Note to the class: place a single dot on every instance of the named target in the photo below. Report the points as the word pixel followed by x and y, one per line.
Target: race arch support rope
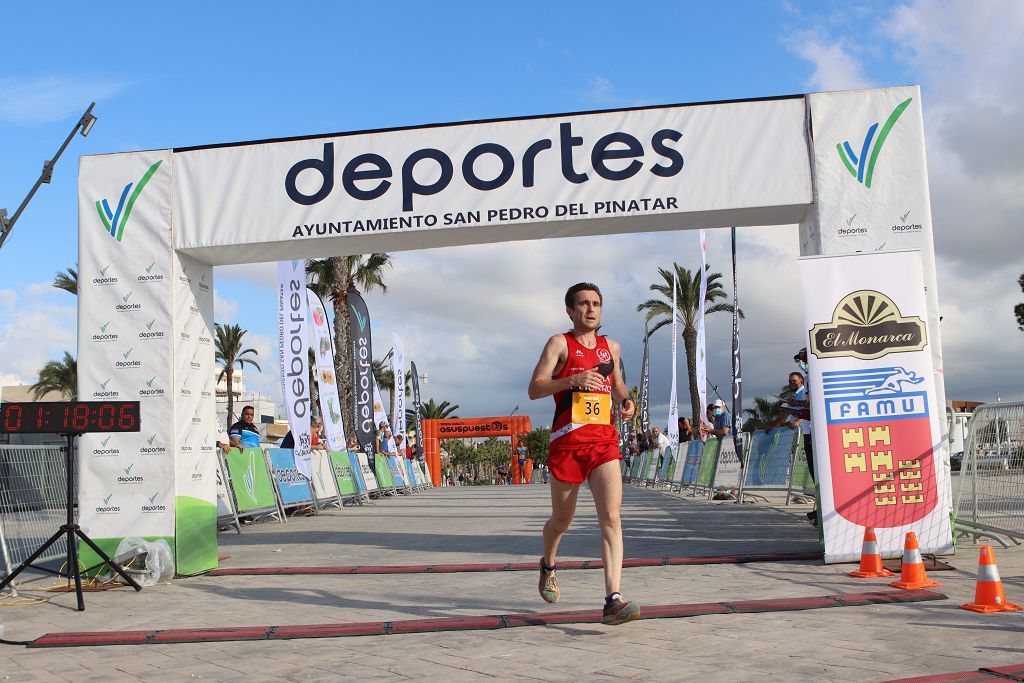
pixel 153 224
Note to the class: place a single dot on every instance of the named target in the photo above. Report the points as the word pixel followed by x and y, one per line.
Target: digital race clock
pixel 73 417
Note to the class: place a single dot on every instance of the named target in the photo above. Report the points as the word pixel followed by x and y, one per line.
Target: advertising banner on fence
pixel 292 307
pixel 250 480
pixel 327 383
pixel 877 438
pixel 293 485
pixel 769 456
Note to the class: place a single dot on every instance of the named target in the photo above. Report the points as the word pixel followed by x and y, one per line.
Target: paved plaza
pixel 498 524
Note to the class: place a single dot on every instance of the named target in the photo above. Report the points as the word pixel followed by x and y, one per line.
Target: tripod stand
pixel 71 530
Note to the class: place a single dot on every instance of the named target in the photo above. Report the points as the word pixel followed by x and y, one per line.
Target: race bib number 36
pixel 588 408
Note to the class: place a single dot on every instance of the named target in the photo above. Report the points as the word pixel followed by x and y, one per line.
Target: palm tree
pixel 432 411
pixel 687 308
pixel 229 354
pixel 68 281
pixel 334 278
pixel 59 376
pixel 762 414
pixel 634 422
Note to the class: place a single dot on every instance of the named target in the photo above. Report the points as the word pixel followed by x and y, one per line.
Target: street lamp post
pixel 83 126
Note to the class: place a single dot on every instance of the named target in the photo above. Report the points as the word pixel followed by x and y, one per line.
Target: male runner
pixel 581 370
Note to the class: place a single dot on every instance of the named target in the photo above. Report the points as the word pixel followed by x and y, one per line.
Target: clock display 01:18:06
pixel 69 417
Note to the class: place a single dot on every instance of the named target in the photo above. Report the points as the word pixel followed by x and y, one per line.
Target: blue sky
pixel 192 73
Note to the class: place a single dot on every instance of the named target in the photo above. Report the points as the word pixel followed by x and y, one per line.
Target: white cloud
pixel 834 67
pixel 51 98
pixel 225 311
pixel 36 326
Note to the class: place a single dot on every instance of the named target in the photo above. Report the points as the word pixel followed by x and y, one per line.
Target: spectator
pixel 685 430
pixel 315 428
pixel 659 442
pixel 797 412
pixel 245 434
pixel 721 424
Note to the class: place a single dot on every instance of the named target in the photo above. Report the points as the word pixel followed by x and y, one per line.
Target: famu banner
pixel 327 383
pixel 361 355
pixel 878 444
pixel 292 305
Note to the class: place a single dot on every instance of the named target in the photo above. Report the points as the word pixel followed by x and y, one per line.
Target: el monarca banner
pixel 878 449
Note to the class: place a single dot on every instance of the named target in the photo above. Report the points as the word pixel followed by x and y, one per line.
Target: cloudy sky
pixel 475 318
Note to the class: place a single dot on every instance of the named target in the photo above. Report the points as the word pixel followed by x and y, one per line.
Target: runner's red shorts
pixel 573 464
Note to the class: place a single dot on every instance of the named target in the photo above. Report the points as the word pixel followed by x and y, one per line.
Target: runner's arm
pixel 620 392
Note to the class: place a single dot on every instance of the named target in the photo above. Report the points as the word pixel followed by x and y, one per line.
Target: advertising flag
pixel 416 407
pixel 620 424
pixel 878 443
pixel 673 403
pixel 361 355
pixel 327 383
pixel 737 378
pixel 292 305
pixel 398 367
pixel 645 398
pixel 702 363
pixel 380 415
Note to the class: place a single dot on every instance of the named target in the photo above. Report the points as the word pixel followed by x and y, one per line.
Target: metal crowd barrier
pixel 32 502
pixel 990 487
pixel 769 460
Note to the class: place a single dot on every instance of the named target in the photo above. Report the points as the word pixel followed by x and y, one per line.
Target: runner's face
pixel 586 314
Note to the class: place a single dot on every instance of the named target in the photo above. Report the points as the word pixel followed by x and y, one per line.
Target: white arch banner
pixel 152 225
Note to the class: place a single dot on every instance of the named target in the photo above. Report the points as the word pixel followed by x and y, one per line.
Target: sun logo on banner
pixel 863 167
pixel 116 220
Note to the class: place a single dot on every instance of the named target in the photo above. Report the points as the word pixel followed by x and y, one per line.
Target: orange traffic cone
pixel 989 596
pixel 870 559
pixel 912 574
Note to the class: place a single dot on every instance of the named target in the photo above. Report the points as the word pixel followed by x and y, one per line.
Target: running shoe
pixel 548 584
pixel 620 611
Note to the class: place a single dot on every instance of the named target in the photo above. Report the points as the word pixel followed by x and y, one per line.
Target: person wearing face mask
pixel 721 420
pixel 797 415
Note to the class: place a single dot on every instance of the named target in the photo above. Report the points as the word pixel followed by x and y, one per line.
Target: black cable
pixel 14 642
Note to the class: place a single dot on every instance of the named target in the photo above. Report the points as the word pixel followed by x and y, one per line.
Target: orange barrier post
pixel 988 595
pixel 870 559
pixel 912 574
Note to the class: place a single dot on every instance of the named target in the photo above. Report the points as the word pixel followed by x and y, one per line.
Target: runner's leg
pixel 606 487
pixel 563 508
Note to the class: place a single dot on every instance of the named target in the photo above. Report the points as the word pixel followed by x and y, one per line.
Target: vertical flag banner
pixel 327 382
pixel 673 402
pixel 416 406
pixel 702 364
pixel 737 377
pixel 398 405
pixel 361 355
pixel 645 398
pixel 379 414
pixel 292 305
pixel 878 444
